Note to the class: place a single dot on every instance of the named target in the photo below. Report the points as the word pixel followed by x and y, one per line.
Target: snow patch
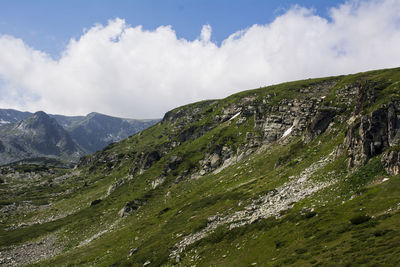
pixel 234 116
pixel 4 122
pixel 287 132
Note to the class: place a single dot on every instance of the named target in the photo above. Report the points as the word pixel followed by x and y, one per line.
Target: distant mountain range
pixel 28 136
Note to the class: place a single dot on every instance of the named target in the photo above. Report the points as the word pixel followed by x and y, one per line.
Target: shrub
pixel 378 233
pixel 359 219
pixel 95 202
pixel 279 243
pixel 310 214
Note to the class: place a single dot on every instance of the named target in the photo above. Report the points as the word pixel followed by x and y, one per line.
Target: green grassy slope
pixel 352 220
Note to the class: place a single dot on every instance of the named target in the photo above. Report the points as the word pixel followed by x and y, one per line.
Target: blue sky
pixel 75 57
pixel 48 25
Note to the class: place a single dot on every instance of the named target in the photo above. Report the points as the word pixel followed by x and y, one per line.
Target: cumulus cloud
pixel 127 71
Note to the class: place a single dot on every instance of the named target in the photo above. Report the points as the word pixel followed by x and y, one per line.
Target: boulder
pixel 131 207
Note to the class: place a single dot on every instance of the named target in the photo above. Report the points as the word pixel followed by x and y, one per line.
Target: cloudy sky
pixel 140 59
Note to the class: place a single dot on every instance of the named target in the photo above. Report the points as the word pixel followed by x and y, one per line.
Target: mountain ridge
pixel 86 134
pixel 37 136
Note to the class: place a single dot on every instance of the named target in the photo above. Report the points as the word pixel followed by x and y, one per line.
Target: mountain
pixel 305 173
pixel 11 116
pixel 96 130
pixel 82 134
pixel 37 136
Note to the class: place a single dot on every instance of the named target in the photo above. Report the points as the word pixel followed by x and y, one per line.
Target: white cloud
pixel 126 71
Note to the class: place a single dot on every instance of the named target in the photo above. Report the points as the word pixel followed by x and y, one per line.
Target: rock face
pixel 373 134
pixel 273 122
pixel 391 162
pixel 321 121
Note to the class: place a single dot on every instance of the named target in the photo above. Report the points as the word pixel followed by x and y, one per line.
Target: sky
pixel 139 59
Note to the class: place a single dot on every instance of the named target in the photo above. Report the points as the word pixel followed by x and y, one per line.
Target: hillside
pixel 304 173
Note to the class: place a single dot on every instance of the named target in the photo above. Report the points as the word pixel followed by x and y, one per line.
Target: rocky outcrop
pixel 373 134
pixel 131 207
pixel 117 184
pixel 321 121
pixel 183 116
pixel 391 162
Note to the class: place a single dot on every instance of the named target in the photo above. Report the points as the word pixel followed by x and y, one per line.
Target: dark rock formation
pixel 391 162
pixel 131 207
pixel 321 121
pixel 150 159
pixel 373 134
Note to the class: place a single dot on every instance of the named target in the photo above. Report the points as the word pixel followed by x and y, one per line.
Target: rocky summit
pixel 304 173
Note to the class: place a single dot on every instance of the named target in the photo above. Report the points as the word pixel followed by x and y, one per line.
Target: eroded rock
pixel 391 162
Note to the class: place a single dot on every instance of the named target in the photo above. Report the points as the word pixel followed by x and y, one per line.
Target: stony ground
pixel 271 204
pixel 30 252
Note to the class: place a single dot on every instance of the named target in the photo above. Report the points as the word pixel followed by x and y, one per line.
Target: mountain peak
pixel 42 116
pixel 94 114
pixel 40 113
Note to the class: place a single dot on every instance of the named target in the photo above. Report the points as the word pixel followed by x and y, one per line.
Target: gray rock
pixel 391 162
pixel 133 251
pixel 131 207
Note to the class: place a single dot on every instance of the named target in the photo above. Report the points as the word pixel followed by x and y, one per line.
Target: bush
pixel 301 250
pixel 95 202
pixel 378 233
pixel 310 214
pixel 359 219
pixel 279 243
